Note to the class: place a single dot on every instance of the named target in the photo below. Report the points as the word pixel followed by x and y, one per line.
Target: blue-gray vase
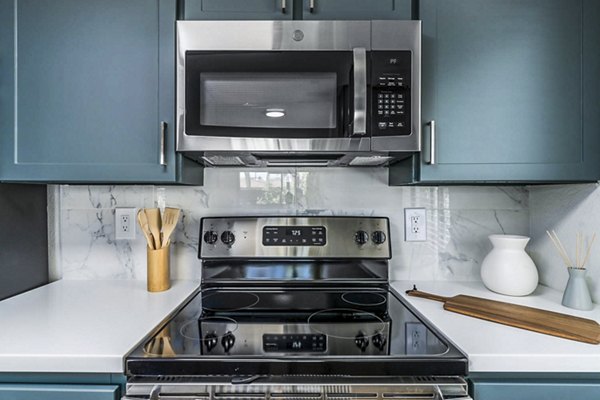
pixel 577 293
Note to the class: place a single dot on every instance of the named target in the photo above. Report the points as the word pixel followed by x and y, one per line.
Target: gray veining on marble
pixel 459 218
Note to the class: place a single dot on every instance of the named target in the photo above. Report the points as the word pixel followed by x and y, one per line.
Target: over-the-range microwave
pixel 298 93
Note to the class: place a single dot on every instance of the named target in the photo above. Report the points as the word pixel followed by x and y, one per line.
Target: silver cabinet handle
pixel 432 146
pixel 311 6
pixel 283 6
pixel 162 157
pixel 359 124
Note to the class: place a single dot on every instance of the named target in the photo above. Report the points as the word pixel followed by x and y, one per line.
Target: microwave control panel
pixel 390 93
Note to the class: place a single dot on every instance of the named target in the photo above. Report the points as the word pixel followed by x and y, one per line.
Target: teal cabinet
pixel 513 89
pixel 544 389
pixel 87 92
pixel 58 392
pixel 356 9
pixel 238 9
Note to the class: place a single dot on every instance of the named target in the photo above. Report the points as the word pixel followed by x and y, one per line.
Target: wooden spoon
pixel 143 221
pixel 169 222
pixel 154 223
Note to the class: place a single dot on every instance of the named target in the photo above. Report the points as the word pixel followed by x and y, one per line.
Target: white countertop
pixel 492 347
pixel 82 326
pixel 89 326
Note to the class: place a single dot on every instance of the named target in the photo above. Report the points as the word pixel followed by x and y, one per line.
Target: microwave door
pixel 274 101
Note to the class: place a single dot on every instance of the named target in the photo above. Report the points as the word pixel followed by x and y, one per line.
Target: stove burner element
pixel 229 301
pixel 334 322
pixel 364 298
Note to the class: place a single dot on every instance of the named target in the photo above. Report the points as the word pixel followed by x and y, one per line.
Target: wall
pixel 459 218
pixel 23 238
pixel 567 209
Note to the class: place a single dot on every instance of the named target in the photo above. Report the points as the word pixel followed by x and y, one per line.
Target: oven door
pixel 290 97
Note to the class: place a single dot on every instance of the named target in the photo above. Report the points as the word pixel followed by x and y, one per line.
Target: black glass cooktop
pixel 253 331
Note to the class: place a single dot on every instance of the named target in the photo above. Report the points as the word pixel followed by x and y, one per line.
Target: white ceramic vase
pixel 508 269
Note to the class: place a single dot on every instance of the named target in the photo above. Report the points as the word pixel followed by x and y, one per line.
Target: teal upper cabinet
pixel 87 91
pixel 238 9
pixel 513 89
pixel 356 9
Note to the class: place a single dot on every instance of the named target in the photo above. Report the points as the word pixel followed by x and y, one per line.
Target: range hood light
pixel 275 112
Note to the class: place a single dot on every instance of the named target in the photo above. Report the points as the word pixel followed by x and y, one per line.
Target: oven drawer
pixel 400 388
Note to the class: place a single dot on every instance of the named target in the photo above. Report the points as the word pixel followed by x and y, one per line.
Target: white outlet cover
pixel 415 224
pixel 125 222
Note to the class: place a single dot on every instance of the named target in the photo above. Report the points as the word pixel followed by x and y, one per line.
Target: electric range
pixel 287 303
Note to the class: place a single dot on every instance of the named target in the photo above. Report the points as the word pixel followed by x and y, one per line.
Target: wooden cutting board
pixel 532 319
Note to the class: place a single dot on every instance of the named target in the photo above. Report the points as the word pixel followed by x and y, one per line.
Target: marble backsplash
pixel 459 218
pixel 567 209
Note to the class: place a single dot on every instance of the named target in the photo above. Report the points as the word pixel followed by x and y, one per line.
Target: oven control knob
pixel 361 237
pixel 210 341
pixel 378 237
pixel 227 341
pixel 227 237
pixel 211 237
pixel 379 341
pixel 362 341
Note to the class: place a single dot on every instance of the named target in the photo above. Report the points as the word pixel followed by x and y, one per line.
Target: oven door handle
pixel 359 122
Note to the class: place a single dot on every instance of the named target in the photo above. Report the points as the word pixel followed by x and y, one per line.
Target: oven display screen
pixel 294 236
pixel 309 343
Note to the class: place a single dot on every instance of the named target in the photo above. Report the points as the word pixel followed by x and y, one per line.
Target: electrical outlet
pixel 416 338
pixel 415 225
pixel 124 223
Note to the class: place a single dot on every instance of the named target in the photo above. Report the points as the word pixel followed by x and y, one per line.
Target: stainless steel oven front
pixel 318 89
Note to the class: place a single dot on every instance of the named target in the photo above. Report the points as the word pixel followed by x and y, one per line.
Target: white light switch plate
pixel 415 224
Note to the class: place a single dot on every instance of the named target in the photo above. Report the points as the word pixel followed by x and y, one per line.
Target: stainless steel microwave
pixel 289 93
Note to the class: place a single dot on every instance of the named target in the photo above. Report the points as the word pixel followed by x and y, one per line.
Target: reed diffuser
pixel 577 293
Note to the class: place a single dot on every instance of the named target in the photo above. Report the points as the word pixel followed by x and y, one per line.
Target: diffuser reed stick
pixel 580 259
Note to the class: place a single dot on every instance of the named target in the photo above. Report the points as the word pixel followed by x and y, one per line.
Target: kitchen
pixel 500 131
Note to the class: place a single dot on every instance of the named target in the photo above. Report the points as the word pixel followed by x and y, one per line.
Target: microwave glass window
pixel 305 100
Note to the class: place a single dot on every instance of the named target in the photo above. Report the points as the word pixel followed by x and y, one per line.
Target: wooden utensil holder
pixel 159 271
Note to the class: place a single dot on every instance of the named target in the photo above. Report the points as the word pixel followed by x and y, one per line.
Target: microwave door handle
pixel 359 122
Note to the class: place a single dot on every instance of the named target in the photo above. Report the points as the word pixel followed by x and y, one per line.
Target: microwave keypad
pixel 390 82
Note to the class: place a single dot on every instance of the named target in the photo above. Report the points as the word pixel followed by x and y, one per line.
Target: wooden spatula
pixel 143 221
pixel 169 222
pixel 154 222
pixel 533 319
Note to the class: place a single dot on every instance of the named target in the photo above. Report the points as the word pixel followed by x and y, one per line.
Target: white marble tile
pixel 567 209
pixel 74 197
pixel 459 218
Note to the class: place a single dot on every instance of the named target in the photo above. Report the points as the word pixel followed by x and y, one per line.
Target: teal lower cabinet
pixel 59 386
pixel 58 392
pixel 539 387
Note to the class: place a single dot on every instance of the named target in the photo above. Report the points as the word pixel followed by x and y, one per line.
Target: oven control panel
pixel 294 236
pixel 286 343
pixel 390 91
pixel 313 237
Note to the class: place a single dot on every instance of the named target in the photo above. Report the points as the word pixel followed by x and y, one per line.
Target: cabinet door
pixel 238 9
pixel 84 88
pixel 511 87
pixel 535 390
pixel 356 9
pixel 58 392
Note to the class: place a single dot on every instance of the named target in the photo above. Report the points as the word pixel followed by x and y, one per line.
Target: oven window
pixel 269 100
